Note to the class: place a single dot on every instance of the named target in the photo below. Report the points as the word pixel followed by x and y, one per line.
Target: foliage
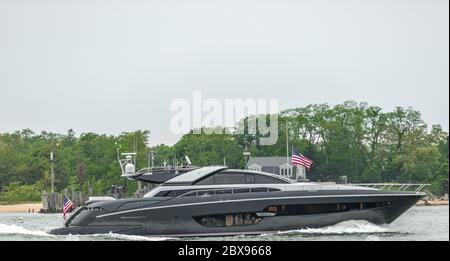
pixel 213 149
pixel 17 192
pixel 353 139
pixel 362 142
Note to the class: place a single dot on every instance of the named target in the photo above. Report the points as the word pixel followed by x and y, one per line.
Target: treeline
pixel 89 160
pixel 353 139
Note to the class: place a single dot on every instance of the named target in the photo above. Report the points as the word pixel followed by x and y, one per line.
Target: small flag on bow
pixel 67 205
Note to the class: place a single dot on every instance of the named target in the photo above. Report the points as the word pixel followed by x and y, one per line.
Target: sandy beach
pixel 21 207
pixel 437 202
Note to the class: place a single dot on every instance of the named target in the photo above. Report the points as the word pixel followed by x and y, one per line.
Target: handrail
pixel 394 186
pixel 380 186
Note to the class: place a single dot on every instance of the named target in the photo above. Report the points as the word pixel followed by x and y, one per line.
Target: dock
pixel 53 202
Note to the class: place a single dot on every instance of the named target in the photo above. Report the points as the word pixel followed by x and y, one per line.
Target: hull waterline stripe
pixel 253 199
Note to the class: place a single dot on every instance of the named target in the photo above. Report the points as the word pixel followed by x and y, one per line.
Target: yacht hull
pixel 289 210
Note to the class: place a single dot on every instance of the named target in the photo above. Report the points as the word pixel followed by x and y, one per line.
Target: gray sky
pixel 113 66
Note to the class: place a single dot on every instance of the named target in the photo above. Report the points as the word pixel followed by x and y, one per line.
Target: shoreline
pixel 21 207
pixel 437 202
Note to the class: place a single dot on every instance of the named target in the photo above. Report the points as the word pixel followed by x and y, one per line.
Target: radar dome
pixel 129 168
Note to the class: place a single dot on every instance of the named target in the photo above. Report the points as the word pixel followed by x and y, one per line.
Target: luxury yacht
pixel 213 201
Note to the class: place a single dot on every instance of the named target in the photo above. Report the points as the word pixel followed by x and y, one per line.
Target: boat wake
pixel 134 238
pixel 11 229
pixel 112 237
pixel 345 227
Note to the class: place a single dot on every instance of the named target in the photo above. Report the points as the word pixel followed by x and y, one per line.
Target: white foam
pixel 14 229
pixel 137 238
pixel 372 238
pixel 129 237
pixel 72 238
pixel 345 227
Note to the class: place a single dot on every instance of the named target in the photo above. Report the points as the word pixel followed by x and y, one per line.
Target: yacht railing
pixel 235 190
pixel 393 186
pixel 240 190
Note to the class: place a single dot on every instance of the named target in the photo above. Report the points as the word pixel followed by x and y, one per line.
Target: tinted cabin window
pixel 229 178
pixel 242 190
pixel 205 193
pixel 228 220
pixel 291 210
pixel 207 181
pixel 261 179
pixel 260 189
pixel 191 194
pixel 249 178
pixel 175 193
pixel 238 178
pixel 223 191
pixel 161 194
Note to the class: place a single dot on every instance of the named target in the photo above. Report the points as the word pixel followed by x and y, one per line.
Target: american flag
pixel 67 205
pixel 300 159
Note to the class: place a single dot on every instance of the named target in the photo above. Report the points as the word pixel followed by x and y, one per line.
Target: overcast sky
pixel 113 66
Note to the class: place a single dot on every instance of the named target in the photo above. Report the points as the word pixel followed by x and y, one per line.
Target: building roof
pixel 267 161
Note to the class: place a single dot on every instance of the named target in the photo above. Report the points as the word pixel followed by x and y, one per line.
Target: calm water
pixel 418 223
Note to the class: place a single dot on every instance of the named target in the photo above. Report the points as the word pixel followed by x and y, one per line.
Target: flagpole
pixel 287 144
pixel 294 166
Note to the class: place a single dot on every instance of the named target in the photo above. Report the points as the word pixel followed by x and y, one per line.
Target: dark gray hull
pixel 177 216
